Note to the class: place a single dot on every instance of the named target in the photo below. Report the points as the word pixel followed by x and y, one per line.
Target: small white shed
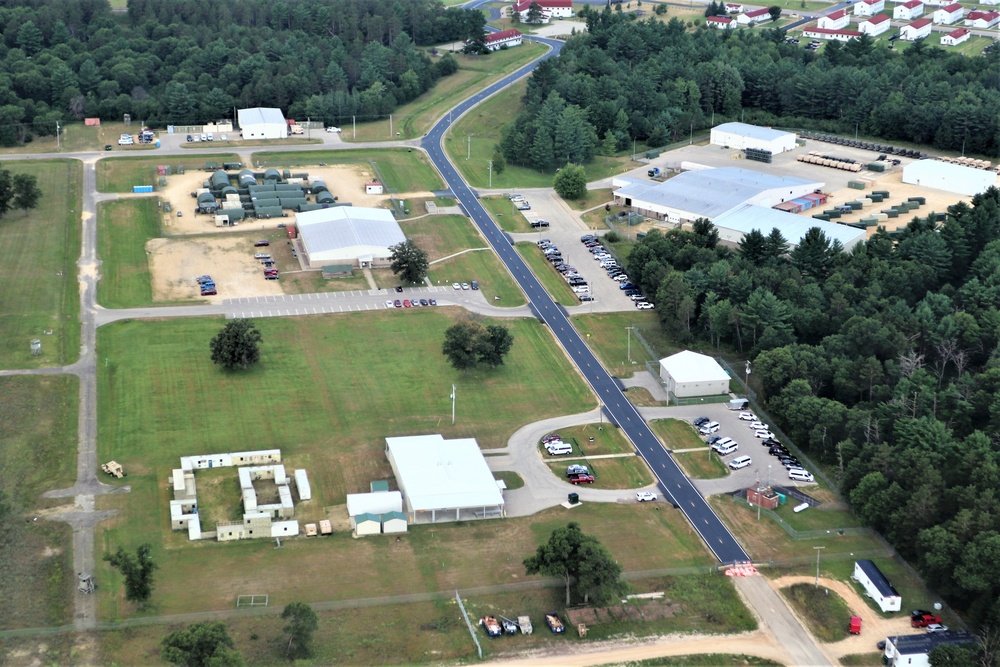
pixel 366 524
pixel 373 188
pixel 394 522
pixel 876 585
pixel 302 484
pixel 688 374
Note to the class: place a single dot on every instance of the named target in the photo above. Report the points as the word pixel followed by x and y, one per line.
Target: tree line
pixel 627 79
pixel 189 62
pixel 882 362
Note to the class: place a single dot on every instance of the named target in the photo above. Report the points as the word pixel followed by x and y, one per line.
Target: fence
pixel 468 623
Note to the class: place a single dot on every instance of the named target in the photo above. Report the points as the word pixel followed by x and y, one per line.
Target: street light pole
pixel 818 549
pixel 746 381
pixel 452 405
pixel 491 174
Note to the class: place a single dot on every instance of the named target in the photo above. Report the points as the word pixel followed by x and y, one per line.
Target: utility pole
pixel 354 125
pixel 628 334
pixel 390 126
pixel 818 549
pixel 308 127
pixel 452 405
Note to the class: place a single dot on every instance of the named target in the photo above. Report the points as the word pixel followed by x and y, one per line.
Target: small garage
pixel 366 524
pixel 742 135
pixel 394 522
pixel 689 374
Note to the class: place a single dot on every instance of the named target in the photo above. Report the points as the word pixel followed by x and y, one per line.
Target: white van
pixel 800 475
pixel 723 442
pixel 740 462
pixel 726 450
pixel 559 448
pixel 581 289
pixel 709 428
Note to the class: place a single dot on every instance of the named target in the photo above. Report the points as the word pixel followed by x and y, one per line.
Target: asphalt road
pixel 618 409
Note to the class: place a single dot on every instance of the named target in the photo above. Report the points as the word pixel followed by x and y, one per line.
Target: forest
pixel 657 82
pixel 192 61
pixel 882 363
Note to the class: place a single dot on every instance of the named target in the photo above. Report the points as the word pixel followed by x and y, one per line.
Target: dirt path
pixel 605 653
pixel 874 627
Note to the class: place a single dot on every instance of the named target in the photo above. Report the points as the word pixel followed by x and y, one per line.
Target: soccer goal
pixel 251 601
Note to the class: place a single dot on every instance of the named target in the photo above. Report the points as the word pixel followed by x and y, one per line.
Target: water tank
pixel 219 180
pixel 272 175
pixel 246 178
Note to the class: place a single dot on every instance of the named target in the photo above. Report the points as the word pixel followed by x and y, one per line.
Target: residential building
pixel 503 39
pixel 720 22
pixel 908 10
pixel 754 16
pixel 919 29
pixel 949 14
pixel 875 26
pixel 837 35
pixel 956 37
pixel 550 8
pixel 868 7
pixel 834 21
pixel 981 19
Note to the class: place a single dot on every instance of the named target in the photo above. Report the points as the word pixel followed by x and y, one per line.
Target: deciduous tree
pixel 237 346
pixel 300 624
pixel 571 182
pixel 409 261
pixel 201 645
pixel 137 568
pixel 26 192
pixel 468 344
pixel 581 559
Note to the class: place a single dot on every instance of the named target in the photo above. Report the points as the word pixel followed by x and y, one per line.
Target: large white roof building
pixel 734 224
pixel 708 193
pixel 443 479
pixel 351 235
pixel 688 374
pixel 948 177
pixel 262 123
pixel 744 135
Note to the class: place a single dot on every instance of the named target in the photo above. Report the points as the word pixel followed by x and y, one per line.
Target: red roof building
pixel 496 40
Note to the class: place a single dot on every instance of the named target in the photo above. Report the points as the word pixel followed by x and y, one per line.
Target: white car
pixel 748 416
pixel 456 286
pixel 465 285
pixel 644 305
pixel 126 140
pixel 389 304
pixel 763 435
pixel 758 426
pixel 333 130
pixel 645 496
pixel 937 627
pixel 204 137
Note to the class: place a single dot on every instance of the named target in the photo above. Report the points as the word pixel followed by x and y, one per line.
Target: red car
pixel 923 620
pixel 406 303
pixel 581 479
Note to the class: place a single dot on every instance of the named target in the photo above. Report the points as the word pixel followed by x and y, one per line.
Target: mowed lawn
pixel 402 170
pixel 607 336
pixel 39 298
pixel 38 420
pixel 552 280
pixel 121 174
pixel 123 229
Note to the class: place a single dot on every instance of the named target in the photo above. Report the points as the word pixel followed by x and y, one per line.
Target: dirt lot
pixel 175 263
pixel 347 182
pixel 938 201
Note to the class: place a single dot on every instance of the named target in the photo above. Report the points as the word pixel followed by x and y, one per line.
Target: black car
pixel 190 138
pixel 399 288
pixel 701 420
pixel 714 439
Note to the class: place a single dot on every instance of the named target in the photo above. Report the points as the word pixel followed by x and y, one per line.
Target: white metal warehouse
pixel 948 177
pixel 262 123
pixel 688 374
pixel 351 235
pixel 708 193
pixel 743 135
pixel 734 224
pixel 444 479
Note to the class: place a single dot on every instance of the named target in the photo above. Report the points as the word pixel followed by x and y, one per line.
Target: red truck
pixel 923 620
pixel 855 625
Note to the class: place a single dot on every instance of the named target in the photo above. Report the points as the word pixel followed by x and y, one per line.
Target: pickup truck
pixel 555 623
pixel 492 626
pixel 923 620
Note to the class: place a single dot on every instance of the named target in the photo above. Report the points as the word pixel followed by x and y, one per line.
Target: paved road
pixel 673 482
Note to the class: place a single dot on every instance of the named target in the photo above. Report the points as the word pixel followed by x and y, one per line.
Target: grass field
pixel 551 280
pixel 506 215
pixel 702 465
pixel 415 118
pixel 628 472
pixel 37 454
pixel 606 439
pixel 825 614
pixel 607 335
pixel 123 228
pixel 478 132
pixel 402 170
pixel 862 659
pixel 676 434
pixel 483 266
pixel 40 298
pixel 443 235
pixel 120 174
pixel 511 479
pixel 593 198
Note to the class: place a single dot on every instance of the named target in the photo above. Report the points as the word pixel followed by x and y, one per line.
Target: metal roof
pixel 379 502
pixel 260 115
pixel 439 474
pixel 877 578
pixel 793 227
pixel 343 227
pixel 753 131
pixel 709 192
pixel 926 642
pixel 688 366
